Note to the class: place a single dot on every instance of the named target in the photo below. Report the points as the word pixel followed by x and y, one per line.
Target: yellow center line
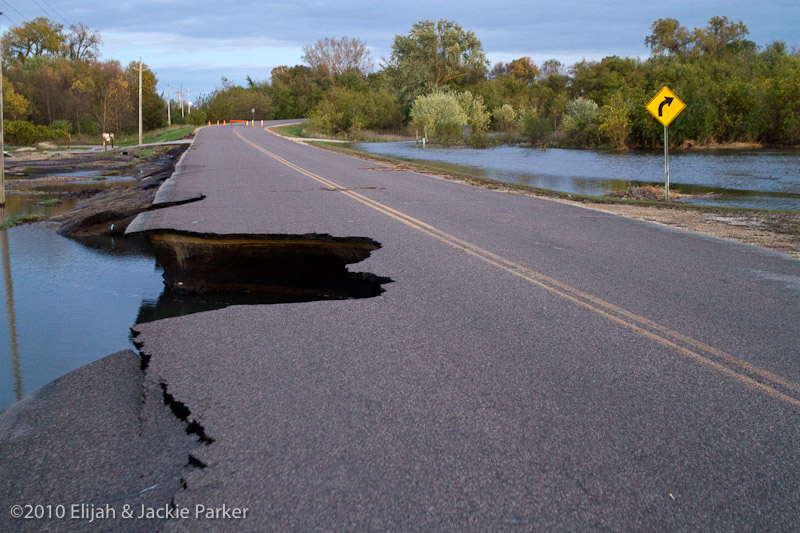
pixel 608 310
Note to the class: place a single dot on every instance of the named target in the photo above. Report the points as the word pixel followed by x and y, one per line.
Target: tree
pixel 719 36
pixel 154 110
pixel 524 69
pixel 110 94
pixel 37 37
pixel 83 43
pixel 235 102
pixel 614 120
pixel 346 110
pixel 552 68
pixel 440 115
pixel 435 54
pixel 499 69
pixel 15 106
pixel 296 90
pixel 330 57
pixel 668 36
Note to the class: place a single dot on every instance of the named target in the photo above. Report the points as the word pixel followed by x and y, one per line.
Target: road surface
pixel 531 365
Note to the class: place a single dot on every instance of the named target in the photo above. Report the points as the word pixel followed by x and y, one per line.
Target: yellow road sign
pixel 665 106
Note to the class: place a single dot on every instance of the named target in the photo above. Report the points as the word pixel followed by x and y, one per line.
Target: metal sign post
pixel 666 163
pixel 665 106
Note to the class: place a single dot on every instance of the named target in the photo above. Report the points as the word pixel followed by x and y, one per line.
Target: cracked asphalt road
pixel 532 366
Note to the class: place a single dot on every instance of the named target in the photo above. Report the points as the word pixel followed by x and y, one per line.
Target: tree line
pixel 437 80
pixel 54 84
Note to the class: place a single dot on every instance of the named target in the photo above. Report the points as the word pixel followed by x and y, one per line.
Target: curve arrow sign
pixel 665 106
pixel 667 100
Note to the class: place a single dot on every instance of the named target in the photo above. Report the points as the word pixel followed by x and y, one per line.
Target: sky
pixel 196 43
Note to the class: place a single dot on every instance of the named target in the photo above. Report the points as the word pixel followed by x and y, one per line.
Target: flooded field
pixel 766 179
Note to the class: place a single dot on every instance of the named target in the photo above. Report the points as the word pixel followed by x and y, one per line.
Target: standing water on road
pixel 766 179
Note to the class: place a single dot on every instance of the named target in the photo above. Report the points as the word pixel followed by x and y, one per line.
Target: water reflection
pixel 768 179
pixel 170 304
pixel 70 303
pixel 12 319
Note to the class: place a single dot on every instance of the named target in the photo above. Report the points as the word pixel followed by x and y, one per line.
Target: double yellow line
pixel 715 358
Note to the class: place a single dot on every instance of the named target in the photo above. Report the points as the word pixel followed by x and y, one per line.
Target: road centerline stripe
pixel 616 314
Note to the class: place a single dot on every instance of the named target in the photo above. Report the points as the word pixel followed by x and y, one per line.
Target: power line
pixel 56 12
pixel 46 12
pixel 15 9
pixel 9 18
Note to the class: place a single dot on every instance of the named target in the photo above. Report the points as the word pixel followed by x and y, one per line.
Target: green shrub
pixel 478 139
pixel 88 126
pixel 477 116
pixel 440 115
pixel 534 128
pixel 504 117
pixel 63 125
pixel 20 132
pixel 581 122
pixel 348 111
pixel 24 133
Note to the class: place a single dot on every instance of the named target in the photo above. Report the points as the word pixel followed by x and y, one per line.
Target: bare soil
pixel 780 231
pixel 105 211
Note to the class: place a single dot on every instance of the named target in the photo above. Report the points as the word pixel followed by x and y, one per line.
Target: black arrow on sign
pixel 667 100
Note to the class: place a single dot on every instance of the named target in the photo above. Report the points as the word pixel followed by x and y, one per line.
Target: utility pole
pixel 2 134
pixel 189 99
pixel 181 99
pixel 169 112
pixel 140 101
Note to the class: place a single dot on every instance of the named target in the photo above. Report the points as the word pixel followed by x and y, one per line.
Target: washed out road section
pixel 531 365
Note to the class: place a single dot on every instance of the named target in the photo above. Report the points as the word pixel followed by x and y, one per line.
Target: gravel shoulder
pixel 776 230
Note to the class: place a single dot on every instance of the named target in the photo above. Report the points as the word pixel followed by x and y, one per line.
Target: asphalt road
pixel 532 365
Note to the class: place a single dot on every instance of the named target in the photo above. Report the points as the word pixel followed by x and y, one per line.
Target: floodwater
pixel 766 179
pixel 66 303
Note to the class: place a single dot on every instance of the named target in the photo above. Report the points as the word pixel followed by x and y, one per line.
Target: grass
pixel 52 202
pixel 301 131
pixel 18 220
pixel 294 130
pixel 157 136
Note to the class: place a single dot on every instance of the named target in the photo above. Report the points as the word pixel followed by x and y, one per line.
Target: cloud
pixel 252 33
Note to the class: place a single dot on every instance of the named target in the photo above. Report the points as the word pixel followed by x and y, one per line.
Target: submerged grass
pixel 50 202
pixel 18 220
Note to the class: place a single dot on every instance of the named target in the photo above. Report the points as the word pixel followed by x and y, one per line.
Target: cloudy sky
pixel 195 43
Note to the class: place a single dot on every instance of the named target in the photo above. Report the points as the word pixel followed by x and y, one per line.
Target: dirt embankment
pixel 109 212
pixel 105 210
